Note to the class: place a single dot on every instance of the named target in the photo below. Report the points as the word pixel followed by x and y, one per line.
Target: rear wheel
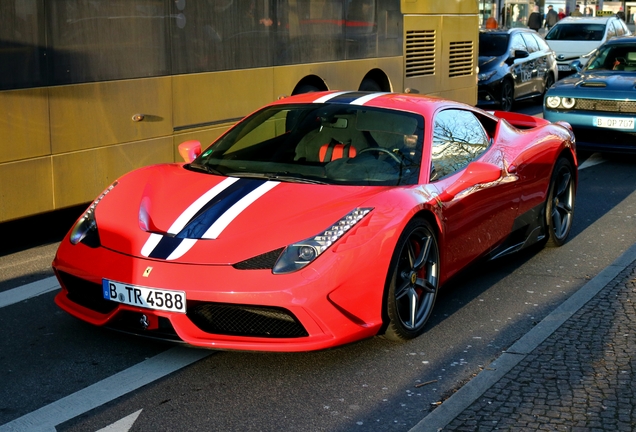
pixel 413 281
pixel 368 84
pixel 507 95
pixel 559 208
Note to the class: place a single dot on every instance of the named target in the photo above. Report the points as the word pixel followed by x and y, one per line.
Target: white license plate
pixel 614 122
pixel 564 68
pixel 150 298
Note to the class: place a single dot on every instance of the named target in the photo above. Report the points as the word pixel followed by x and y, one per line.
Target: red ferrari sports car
pixel 318 220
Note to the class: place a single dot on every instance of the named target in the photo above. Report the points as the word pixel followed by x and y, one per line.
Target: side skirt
pixel 527 229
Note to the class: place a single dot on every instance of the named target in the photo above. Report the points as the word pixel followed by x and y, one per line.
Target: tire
pixel 413 281
pixel 368 84
pixel 306 88
pixel 559 207
pixel 507 96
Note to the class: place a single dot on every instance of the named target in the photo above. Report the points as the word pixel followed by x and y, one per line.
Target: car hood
pixel 572 49
pixel 488 62
pixel 592 83
pixel 167 212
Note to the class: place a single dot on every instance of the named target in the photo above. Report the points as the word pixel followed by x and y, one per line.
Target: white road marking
pixel 123 425
pixel 95 395
pixel 595 159
pixel 25 292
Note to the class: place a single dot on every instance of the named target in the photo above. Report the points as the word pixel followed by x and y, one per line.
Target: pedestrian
pixel 561 14
pixel 576 12
pixel 551 18
pixel 534 20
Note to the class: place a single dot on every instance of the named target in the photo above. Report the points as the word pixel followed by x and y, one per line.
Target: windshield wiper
pixel 284 177
pixel 204 168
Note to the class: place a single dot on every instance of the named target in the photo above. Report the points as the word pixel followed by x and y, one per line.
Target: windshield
pixel 493 44
pixel 320 143
pixel 577 32
pixel 613 57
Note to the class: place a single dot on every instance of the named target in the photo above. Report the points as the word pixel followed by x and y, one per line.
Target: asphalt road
pixel 53 366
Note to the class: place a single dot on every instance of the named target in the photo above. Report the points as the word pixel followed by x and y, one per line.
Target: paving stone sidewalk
pixel 579 375
pixel 582 378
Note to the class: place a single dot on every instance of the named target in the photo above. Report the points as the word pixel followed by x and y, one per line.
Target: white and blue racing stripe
pixel 348 97
pixel 207 217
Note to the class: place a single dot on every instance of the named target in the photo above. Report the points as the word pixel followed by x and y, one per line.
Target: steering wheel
pixel 394 156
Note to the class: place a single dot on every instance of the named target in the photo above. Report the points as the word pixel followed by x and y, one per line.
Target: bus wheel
pixel 306 88
pixel 368 84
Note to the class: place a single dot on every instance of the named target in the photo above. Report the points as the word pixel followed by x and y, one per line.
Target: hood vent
pixel 420 53
pixel 593 84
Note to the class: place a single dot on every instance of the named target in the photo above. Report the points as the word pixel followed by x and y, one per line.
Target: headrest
pixel 631 57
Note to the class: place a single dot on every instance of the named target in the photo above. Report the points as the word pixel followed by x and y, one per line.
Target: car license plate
pixel 150 298
pixel 564 67
pixel 614 122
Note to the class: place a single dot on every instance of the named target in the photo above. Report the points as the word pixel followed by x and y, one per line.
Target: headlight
pixel 299 255
pixel 87 222
pixel 486 75
pixel 556 102
pixel 568 102
pixel 553 101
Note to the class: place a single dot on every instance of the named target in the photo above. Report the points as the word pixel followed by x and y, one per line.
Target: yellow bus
pixel 92 89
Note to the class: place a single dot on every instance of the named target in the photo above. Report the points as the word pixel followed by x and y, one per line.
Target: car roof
pixel 621 40
pixel 586 20
pixel 507 31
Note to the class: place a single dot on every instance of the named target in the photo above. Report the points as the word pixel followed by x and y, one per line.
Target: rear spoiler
pixel 521 121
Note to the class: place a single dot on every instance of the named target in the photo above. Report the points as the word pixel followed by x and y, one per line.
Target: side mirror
pixel 521 54
pixel 189 150
pixel 576 66
pixel 475 173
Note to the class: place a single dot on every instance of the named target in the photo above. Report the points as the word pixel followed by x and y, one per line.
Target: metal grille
pixel 420 53
pixel 261 262
pixel 85 293
pixel 243 320
pixel 606 105
pixel 461 59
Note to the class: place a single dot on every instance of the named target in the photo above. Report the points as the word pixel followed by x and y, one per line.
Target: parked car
pixel 599 101
pixel 321 219
pixel 514 64
pixel 574 38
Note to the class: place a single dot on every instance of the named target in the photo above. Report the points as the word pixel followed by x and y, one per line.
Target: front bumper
pixel 319 307
pixel 592 138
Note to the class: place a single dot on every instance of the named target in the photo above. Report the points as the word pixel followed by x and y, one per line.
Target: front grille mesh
pixel 245 320
pixel 620 106
pixel 87 294
pixel 260 262
pixel 420 53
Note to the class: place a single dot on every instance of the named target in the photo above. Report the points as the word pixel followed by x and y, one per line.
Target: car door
pixel 521 67
pixel 537 63
pixel 474 220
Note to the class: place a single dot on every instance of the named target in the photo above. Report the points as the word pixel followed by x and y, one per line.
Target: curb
pixel 470 392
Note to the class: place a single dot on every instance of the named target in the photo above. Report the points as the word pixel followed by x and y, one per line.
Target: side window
pixel 531 43
pixel 517 43
pixel 543 46
pixel 458 139
pixel 611 31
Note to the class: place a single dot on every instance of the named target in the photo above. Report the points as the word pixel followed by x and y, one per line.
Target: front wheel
pixel 559 208
pixel 412 283
pixel 507 95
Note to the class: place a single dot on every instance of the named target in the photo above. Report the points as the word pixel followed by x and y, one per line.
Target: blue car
pixel 599 101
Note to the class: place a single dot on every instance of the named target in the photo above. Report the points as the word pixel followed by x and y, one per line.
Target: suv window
pixel 580 31
pixel 517 43
pixel 531 43
pixel 458 139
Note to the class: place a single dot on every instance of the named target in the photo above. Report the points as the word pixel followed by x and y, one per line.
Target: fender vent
pixel 460 60
pixel 420 53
